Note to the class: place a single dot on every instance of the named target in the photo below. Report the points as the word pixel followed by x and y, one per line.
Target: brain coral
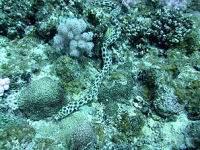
pixel 82 137
pixel 41 98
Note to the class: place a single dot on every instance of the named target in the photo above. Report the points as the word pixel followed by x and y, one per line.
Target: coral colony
pixel 4 85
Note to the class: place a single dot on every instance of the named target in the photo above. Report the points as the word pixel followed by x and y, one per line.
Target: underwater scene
pixel 99 74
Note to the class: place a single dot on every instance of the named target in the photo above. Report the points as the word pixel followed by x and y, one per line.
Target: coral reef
pixel 107 60
pixel 98 74
pixel 15 17
pixel 23 137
